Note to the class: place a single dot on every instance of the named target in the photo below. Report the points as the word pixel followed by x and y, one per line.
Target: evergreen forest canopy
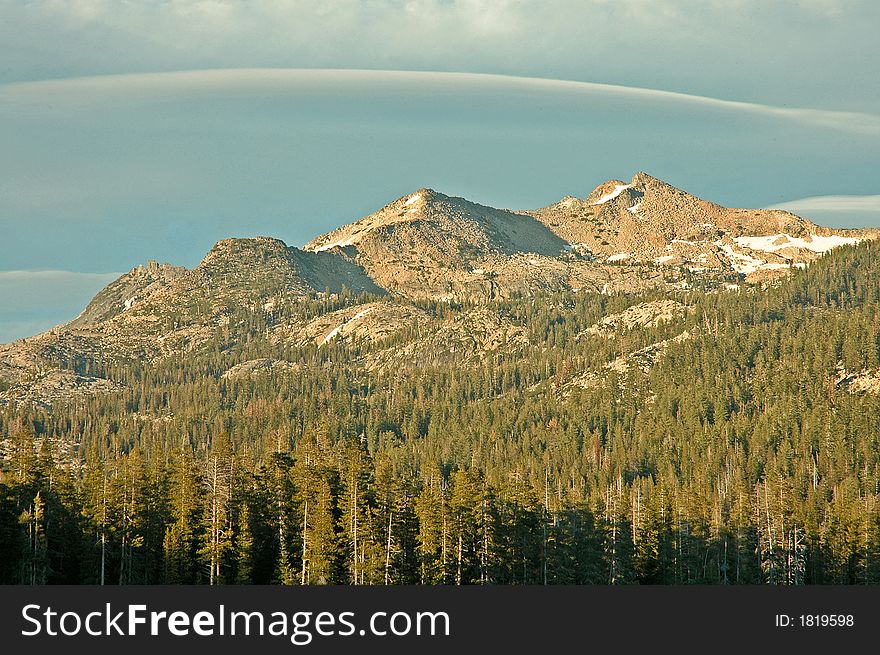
pixel 737 457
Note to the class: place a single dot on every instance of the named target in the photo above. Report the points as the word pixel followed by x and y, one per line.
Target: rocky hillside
pixel 119 296
pixel 376 282
pixel 648 221
pixel 428 245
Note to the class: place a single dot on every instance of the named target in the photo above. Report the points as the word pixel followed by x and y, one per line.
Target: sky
pixel 145 130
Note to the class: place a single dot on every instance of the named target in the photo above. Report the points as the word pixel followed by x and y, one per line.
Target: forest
pixel 737 457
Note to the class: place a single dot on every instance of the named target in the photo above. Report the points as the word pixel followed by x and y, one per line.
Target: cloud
pixel 837 211
pixel 53 276
pixel 810 52
pixel 152 87
pixel 832 204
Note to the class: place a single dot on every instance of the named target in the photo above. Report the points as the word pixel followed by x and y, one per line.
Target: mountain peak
pixel 248 243
pixel 418 205
pixel 126 291
pixel 625 236
pixel 424 194
pixel 639 183
pixel 643 179
pixel 607 191
pixel 651 221
pixel 413 203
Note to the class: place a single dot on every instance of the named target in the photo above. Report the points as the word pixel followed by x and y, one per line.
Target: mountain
pixel 431 245
pixel 426 247
pixel 649 221
pixel 446 393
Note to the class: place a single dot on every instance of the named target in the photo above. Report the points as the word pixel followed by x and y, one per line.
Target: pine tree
pixel 184 537
pixel 244 548
pixel 281 499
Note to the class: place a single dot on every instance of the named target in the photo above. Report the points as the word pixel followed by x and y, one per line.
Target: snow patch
pixel 741 263
pixel 339 328
pixel 665 258
pixel 335 244
pixel 413 198
pixel 618 189
pixel 619 257
pixel 775 242
pixel 635 208
pixel 130 303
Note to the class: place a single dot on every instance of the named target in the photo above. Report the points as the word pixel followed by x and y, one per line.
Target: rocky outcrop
pixel 474 334
pixel 369 322
pixel 866 381
pixel 56 386
pixel 642 315
pixel 127 291
pixel 639 361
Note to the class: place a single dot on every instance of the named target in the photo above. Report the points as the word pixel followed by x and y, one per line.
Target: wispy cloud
pixel 848 204
pixel 54 276
pixel 837 211
pixel 87 91
pixel 803 51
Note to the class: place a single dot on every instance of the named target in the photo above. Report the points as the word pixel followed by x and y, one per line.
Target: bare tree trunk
pixel 388 550
pixel 305 558
pixel 354 528
pixel 214 519
pixel 484 554
pixel 104 530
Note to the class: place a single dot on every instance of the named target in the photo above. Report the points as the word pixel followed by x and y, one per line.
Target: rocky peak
pixel 650 221
pixel 241 254
pixel 240 246
pixel 419 198
pixel 421 204
pixel 643 180
pixel 153 269
pixel 140 283
pixel 606 192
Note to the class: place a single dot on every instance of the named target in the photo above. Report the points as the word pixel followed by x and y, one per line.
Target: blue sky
pixel 149 130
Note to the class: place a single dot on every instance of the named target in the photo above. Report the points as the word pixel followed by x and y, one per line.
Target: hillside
pixel 626 238
pixel 647 220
